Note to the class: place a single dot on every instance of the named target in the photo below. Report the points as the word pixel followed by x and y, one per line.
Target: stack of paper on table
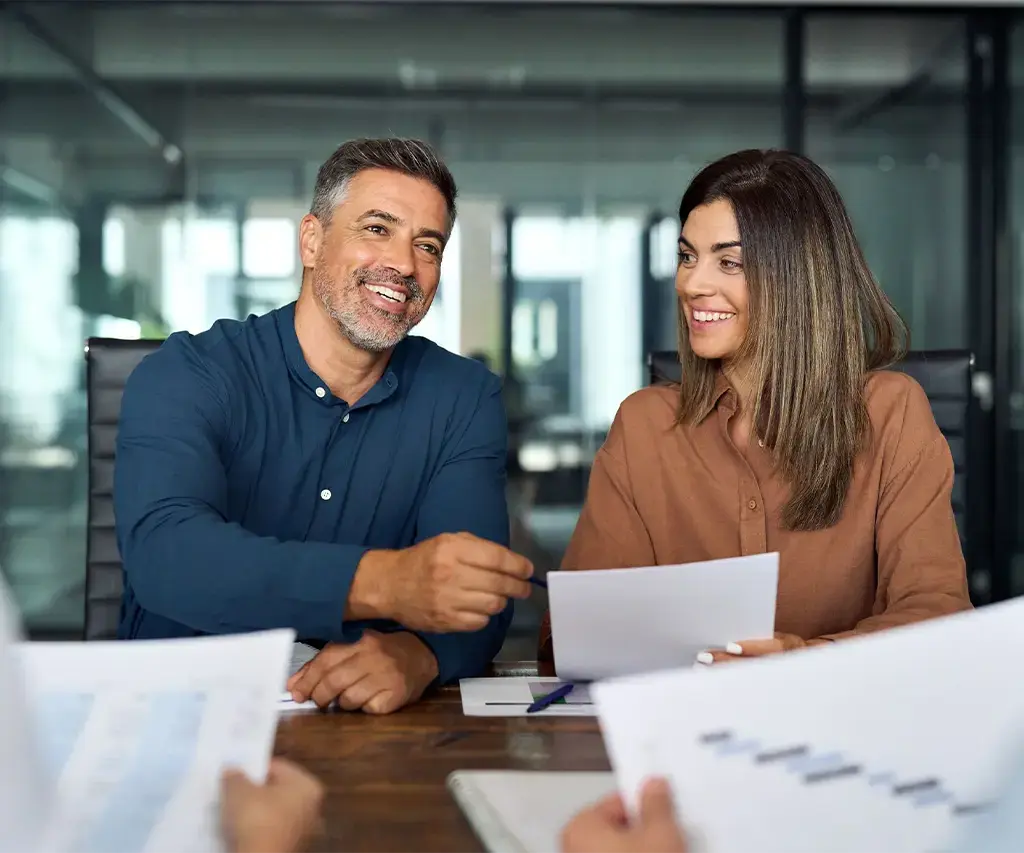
pixel 302 653
pixel 624 621
pixel 886 742
pixel 510 697
pixel 122 745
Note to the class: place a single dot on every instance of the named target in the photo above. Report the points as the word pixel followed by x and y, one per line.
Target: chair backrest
pixel 109 362
pixel 945 376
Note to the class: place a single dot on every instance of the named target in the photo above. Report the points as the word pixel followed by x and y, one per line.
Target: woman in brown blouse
pixel 787 433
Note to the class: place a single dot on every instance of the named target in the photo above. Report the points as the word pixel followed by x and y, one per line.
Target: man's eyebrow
pixel 381 214
pixel 397 220
pixel 434 235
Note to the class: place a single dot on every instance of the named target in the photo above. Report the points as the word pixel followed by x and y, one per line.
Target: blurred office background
pixel 155 159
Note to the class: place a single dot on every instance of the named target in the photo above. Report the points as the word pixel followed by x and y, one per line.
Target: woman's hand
pixel 279 816
pixel 753 649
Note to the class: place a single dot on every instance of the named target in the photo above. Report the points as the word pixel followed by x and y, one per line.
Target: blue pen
pixel 538 582
pixel 550 698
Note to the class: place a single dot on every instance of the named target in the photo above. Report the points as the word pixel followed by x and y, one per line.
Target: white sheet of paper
pixel 522 811
pixel 616 622
pixel 883 742
pixel 26 795
pixel 302 654
pixel 135 735
pixel 510 697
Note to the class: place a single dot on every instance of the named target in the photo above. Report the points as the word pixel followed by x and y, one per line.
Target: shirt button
pixel 326 494
pixel 752 504
pixel 321 393
pixel 344 420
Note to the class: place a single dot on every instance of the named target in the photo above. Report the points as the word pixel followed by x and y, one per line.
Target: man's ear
pixel 311 237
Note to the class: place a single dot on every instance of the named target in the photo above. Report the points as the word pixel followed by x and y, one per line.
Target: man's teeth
pixel 710 316
pixel 387 293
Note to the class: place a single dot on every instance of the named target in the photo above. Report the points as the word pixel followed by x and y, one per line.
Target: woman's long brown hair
pixel 818 323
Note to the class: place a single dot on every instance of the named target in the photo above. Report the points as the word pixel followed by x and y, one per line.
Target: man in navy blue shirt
pixel 315 468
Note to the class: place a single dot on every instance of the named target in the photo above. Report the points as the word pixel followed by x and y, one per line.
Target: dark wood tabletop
pixel 385 776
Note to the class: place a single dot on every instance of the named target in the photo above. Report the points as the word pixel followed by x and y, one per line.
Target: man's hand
pixel 452 582
pixel 606 828
pixel 753 649
pixel 378 674
pixel 277 817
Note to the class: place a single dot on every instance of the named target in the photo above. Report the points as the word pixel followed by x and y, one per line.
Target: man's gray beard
pixel 369 337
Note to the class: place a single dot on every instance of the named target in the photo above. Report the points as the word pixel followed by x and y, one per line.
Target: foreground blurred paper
pixel 134 736
pixel 886 742
pixel 25 797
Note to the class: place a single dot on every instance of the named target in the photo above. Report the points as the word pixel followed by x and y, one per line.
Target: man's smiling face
pixel 377 262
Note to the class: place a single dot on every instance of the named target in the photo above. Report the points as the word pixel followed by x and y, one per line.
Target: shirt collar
pixel 724 395
pixel 306 377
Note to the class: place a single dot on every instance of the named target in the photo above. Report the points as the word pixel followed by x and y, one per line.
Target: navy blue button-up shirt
pixel 246 494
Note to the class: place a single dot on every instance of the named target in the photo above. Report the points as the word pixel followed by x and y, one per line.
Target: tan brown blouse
pixel 663 494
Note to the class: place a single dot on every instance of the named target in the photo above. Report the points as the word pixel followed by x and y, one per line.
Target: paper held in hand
pixel 120 746
pixel 615 622
pixel 891 741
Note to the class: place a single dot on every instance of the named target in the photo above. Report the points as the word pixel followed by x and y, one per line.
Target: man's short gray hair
pixel 409 156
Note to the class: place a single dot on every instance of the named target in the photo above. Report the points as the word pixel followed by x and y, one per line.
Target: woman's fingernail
pixel 705 658
pixel 733 649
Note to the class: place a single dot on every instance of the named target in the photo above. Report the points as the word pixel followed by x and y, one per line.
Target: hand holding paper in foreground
pixel 606 828
pixel 279 816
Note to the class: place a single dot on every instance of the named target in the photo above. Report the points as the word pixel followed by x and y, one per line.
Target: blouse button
pixel 752 504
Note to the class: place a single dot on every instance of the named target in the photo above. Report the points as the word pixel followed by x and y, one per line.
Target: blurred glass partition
pixel 1016 293
pixel 887 117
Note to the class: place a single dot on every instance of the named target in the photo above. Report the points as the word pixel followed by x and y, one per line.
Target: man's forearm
pixel 369 595
pixel 218 578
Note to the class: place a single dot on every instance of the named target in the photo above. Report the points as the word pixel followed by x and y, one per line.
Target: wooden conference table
pixel 385 776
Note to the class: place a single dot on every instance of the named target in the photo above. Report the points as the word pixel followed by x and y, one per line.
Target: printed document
pixel 131 738
pixel 884 742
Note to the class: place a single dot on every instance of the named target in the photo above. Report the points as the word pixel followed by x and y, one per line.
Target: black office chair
pixel 945 376
pixel 109 362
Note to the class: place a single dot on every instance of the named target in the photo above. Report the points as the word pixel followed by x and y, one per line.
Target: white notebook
pixel 524 811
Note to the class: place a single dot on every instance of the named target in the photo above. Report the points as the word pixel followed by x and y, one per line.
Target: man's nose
pixel 400 258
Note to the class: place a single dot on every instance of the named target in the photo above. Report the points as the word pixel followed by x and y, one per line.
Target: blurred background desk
pixel 385 776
